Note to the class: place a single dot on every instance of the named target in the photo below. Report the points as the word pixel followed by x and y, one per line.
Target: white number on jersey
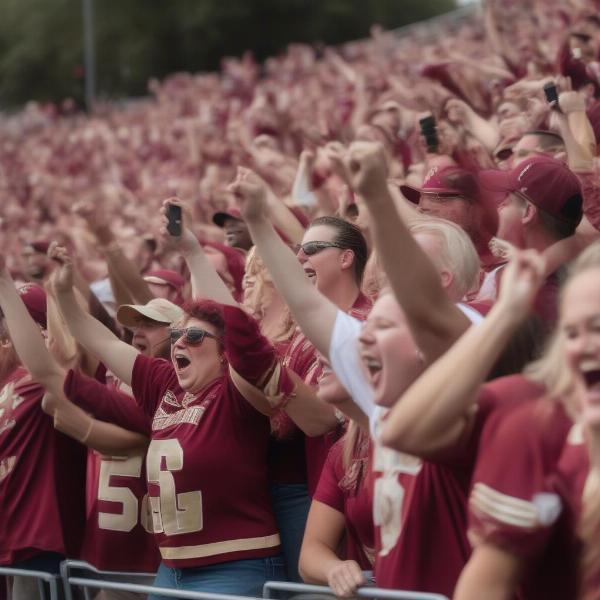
pixel 127 519
pixel 172 513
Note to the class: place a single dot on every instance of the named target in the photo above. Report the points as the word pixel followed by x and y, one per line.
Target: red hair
pixel 208 311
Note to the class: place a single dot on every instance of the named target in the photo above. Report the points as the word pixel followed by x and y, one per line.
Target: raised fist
pixel 366 164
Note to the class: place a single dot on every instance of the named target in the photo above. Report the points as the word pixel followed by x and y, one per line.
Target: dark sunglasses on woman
pixel 193 336
pixel 312 248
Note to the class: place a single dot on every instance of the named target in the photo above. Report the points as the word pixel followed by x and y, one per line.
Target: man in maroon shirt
pixel 541 204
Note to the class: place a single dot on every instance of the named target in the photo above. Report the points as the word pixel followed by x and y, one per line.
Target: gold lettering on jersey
pixel 171 398
pixel 7 465
pixel 172 513
pixel 186 414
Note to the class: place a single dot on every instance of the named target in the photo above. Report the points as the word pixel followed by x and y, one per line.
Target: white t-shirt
pixel 345 361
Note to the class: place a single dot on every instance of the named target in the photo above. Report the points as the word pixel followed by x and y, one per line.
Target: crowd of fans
pixel 358 343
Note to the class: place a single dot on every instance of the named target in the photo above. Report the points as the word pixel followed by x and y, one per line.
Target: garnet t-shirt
pixel 207 459
pixel 118 535
pixel 42 477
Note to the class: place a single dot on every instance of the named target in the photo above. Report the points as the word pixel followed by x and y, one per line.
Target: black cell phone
pixel 551 92
pixel 174 216
pixel 429 132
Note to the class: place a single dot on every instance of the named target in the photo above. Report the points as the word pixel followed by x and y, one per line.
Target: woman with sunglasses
pixel 206 463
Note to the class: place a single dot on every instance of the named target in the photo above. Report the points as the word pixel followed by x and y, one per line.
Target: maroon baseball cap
pixel 34 299
pixel 546 182
pixel 165 277
pixel 219 218
pixel 444 180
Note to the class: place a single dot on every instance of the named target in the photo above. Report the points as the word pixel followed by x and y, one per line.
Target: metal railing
pixel 67 566
pixel 364 592
pixel 97 582
pixel 42 577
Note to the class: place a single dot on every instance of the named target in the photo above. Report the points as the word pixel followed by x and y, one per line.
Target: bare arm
pixel 206 282
pixel 435 321
pixel 126 280
pixel 491 573
pixel 118 356
pixel 105 438
pixel 32 351
pixel 312 311
pixel 318 561
pixel 27 338
pixel 431 415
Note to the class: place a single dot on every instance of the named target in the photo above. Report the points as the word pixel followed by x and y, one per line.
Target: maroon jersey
pixel 207 460
pixel 118 535
pixel 420 507
pixel 301 357
pixel 348 491
pixel 511 506
pixel 572 476
pixel 42 477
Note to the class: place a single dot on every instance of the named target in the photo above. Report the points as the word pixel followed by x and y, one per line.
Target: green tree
pixel 41 40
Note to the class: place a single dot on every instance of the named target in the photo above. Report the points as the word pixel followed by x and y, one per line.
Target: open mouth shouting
pixel 182 362
pixel 373 367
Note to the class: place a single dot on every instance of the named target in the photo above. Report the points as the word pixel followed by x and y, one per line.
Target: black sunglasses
pixel 312 248
pixel 194 336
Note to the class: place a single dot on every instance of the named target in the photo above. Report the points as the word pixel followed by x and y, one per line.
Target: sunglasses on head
pixel 193 336
pixel 312 248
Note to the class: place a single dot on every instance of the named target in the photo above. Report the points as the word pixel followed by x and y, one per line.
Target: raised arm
pixel 435 321
pixel 26 336
pixel 118 356
pixel 43 368
pixel 206 282
pixel 125 277
pixel 431 415
pixel 312 311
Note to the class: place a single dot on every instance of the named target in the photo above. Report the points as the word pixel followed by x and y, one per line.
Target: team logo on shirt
pixel 166 417
pixel 389 493
pixel 7 465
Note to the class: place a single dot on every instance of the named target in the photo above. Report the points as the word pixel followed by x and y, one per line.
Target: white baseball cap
pixel 157 309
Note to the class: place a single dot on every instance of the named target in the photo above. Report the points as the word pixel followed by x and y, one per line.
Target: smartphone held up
pixel 174 218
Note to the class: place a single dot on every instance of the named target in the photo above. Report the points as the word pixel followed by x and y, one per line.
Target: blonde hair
pixel 355 456
pixel 259 299
pixel 552 371
pixel 458 254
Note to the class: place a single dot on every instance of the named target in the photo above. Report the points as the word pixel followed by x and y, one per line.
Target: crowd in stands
pixel 334 318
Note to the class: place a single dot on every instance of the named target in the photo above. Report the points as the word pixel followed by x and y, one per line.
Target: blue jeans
pixel 44 561
pixel 240 577
pixel 291 503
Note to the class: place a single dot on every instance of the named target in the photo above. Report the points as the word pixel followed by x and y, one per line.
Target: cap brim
pixel 131 315
pixel 414 194
pixel 410 193
pixel 220 218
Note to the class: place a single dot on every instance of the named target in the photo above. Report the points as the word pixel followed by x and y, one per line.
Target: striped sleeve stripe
pixel 504 508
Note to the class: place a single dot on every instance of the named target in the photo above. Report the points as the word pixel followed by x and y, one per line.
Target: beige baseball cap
pixel 157 309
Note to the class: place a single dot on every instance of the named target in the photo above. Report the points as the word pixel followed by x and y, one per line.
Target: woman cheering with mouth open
pixel 206 463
